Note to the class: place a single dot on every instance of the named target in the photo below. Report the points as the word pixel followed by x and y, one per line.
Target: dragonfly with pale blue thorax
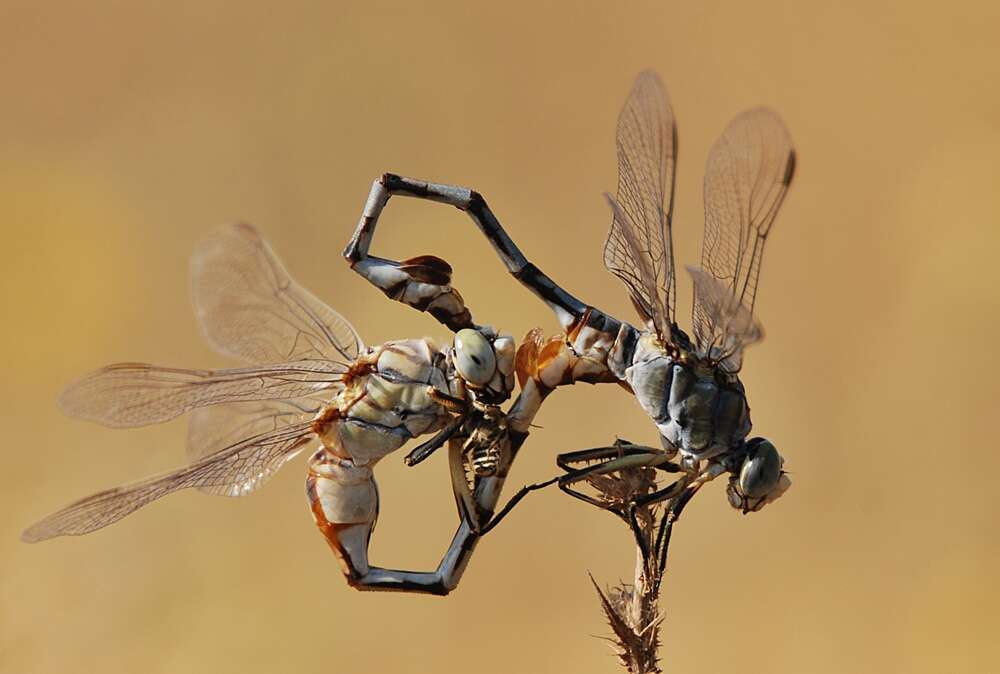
pixel 688 384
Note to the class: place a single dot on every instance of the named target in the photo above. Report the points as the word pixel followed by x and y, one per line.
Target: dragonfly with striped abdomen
pixel 309 378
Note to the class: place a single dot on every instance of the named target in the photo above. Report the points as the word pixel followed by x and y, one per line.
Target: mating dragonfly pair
pixel 307 375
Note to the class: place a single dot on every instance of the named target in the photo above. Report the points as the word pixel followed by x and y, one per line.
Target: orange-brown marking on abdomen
pixel 330 530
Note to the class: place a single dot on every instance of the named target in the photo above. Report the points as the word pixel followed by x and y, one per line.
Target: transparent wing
pixel 211 429
pixel 749 170
pixel 251 309
pixel 136 394
pixel 240 468
pixel 639 250
pixel 723 326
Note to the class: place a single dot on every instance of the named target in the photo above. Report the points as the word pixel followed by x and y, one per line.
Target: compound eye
pixel 474 357
pixel 761 470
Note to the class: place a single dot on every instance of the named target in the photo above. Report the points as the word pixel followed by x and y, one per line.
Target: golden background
pixel 129 129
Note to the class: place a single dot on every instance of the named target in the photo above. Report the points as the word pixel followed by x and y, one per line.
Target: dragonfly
pixel 307 378
pixel 688 384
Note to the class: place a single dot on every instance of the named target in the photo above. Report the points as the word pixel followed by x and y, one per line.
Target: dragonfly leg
pixel 619 450
pixel 621 455
pixel 565 483
pixel 575 475
pixel 622 449
pixel 514 500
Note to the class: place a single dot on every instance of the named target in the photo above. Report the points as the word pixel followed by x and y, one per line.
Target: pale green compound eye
pixel 474 357
pixel 761 470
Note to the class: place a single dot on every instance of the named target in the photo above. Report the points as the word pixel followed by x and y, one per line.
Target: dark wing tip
pixel 790 168
pixel 244 229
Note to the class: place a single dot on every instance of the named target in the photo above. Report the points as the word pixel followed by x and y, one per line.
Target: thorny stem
pixel 632 609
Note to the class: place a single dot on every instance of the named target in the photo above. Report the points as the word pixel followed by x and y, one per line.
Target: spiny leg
pixel 637 534
pixel 471 509
pixel 670 491
pixel 465 500
pixel 586 498
pixel 621 454
pixel 424 450
pixel 667 523
pixel 677 495
pixel 620 450
pixel 562 482
pixel 624 455
pixel 514 500
pixel 615 452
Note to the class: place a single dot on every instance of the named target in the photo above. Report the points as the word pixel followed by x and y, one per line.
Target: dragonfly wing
pixel 240 468
pixel 750 168
pixel 250 308
pixel 212 429
pixel 639 249
pixel 136 394
pixel 725 326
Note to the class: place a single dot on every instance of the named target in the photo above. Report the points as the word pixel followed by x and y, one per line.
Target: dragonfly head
pixel 484 361
pixel 759 478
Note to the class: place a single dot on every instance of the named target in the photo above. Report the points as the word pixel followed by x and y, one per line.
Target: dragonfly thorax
pixel 698 409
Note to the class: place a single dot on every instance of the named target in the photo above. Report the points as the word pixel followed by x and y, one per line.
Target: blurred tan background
pixel 129 129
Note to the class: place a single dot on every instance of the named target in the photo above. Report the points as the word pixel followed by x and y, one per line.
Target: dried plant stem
pixel 632 609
